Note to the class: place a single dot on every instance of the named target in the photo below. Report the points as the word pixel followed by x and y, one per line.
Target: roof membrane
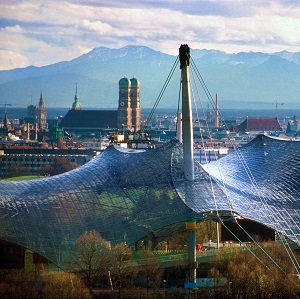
pixel 126 195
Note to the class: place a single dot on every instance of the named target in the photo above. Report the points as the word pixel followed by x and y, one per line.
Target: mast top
pixel 184 55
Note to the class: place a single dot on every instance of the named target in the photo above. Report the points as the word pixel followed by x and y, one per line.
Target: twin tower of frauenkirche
pixel 129 110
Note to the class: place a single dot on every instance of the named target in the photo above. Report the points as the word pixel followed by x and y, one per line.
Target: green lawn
pixel 24 178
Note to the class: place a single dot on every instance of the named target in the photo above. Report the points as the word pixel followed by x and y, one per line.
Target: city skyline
pixel 45 32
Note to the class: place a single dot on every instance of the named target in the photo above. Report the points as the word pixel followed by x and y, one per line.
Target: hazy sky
pixel 37 32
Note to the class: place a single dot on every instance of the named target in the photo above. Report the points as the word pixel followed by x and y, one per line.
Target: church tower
pixel 135 104
pixel 42 114
pixel 5 126
pixel 76 105
pixel 124 108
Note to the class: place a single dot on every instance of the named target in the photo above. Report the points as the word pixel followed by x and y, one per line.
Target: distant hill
pixel 239 79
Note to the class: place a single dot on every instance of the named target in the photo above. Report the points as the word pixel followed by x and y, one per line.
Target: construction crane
pixel 276 107
pixel 270 103
pixel 5 105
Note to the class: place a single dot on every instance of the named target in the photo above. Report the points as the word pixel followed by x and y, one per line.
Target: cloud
pixel 43 32
pixel 97 26
pixel 11 59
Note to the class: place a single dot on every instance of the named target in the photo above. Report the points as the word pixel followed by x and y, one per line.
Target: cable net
pixel 127 194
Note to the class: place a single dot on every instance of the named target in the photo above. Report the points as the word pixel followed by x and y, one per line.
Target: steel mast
pixel 187 119
pixel 188 155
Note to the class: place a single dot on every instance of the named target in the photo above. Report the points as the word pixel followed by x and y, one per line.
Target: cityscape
pixel 87 159
pixel 149 149
pixel 78 134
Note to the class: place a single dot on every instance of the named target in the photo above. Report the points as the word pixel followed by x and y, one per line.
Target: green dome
pixel 134 82
pixel 124 82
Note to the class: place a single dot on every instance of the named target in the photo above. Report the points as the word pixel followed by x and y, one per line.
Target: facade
pixel 4 128
pixel 89 120
pixel 32 114
pixel 207 155
pixel 99 144
pixel 127 117
pixel 135 104
pixel 124 108
pixel 42 114
pixel 35 159
pixel 293 126
pixel 258 125
pixel 76 105
pixel 129 109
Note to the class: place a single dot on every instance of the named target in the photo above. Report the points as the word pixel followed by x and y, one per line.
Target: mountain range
pixel 245 79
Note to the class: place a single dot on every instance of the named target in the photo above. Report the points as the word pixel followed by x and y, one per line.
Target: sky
pixel 38 33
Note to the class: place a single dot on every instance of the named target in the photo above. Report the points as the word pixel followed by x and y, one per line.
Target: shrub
pixel 18 284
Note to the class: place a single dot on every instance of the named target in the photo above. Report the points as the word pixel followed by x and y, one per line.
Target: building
pixel 127 195
pixel 76 105
pixel 32 114
pixel 206 155
pixel 35 159
pixel 5 127
pixel 293 126
pixel 258 125
pixel 127 117
pixel 42 114
pixel 129 110
pixel 81 121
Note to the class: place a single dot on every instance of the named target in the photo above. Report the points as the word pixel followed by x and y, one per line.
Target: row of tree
pixel 58 166
pixel 95 259
pixel 264 271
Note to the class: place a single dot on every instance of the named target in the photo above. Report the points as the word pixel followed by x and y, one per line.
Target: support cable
pixel 239 154
pixel 253 182
pixel 161 94
pixel 213 193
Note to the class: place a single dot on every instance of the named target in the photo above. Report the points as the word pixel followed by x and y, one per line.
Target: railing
pixel 180 257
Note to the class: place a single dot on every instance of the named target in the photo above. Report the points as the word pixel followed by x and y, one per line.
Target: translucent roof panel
pixel 127 194
pixel 262 182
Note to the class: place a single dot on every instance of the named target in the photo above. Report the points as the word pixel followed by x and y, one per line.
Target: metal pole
pixel 188 153
pixel 187 120
pixel 218 236
pixel 179 126
pixel 191 234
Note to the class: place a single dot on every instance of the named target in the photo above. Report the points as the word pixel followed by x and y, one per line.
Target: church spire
pixel 5 121
pixel 41 97
pixel 42 113
pixel 76 105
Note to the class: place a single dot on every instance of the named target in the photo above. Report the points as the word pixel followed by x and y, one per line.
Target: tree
pixel 59 165
pixel 123 268
pixel 15 170
pixel 91 256
pixel 206 230
pixel 20 284
pixel 151 269
pixel 254 275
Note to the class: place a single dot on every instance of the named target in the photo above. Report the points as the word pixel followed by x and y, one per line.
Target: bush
pixel 64 285
pixel 254 275
pixel 18 284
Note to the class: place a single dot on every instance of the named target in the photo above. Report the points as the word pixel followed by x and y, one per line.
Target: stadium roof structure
pixel 127 194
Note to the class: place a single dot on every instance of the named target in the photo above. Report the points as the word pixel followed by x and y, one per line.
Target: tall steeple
pixel 135 104
pixel 76 105
pixel 124 109
pixel 42 113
